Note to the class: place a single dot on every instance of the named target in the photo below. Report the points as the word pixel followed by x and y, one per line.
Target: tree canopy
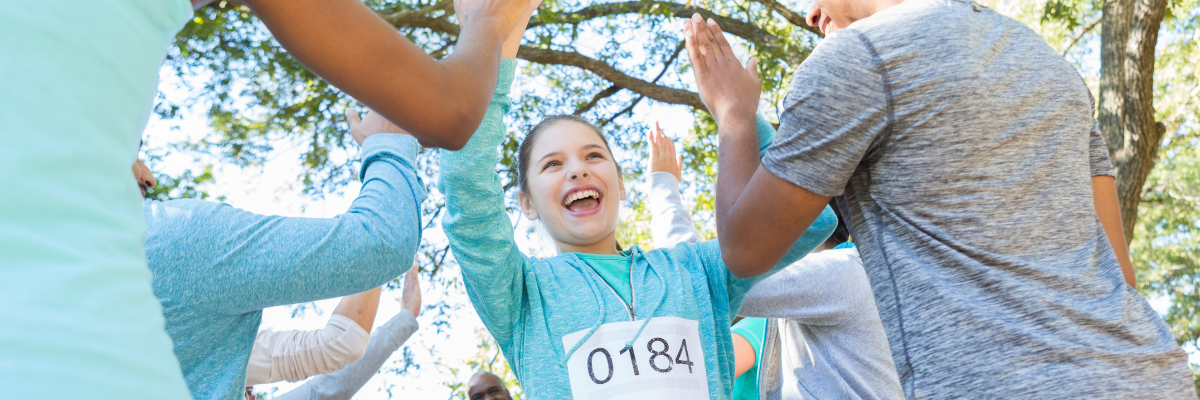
pixel 609 62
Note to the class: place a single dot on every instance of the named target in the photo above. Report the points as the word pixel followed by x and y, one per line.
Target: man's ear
pixel 527 206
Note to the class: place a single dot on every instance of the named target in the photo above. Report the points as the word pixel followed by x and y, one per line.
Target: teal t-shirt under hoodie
pixel 613 269
pixel 530 304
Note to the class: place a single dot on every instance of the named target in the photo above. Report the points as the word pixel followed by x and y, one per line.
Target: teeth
pixel 583 194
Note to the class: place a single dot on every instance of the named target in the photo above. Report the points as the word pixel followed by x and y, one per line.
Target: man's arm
pixel 440 102
pixel 759 216
pixel 1108 208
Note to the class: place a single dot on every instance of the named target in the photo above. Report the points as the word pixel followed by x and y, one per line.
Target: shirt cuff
pixel 508 72
pixel 403 147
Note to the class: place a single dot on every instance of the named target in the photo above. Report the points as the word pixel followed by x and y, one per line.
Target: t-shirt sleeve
pixel 1098 152
pixel 836 107
pixel 753 330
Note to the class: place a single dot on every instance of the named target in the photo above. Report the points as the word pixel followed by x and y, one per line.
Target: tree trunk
pixel 1129 32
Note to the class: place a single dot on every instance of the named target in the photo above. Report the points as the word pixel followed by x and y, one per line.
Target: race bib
pixel 665 362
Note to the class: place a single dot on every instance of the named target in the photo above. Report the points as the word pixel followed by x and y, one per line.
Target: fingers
pixel 352 118
pixel 752 69
pixel 689 37
pixel 679 161
pixel 718 37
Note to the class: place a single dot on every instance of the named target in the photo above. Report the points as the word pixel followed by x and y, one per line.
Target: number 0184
pixel 659 359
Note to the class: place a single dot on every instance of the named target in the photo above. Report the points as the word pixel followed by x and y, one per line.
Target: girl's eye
pixel 550 164
pixel 595 155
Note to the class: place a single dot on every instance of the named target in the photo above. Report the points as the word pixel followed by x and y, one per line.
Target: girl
pixel 597 320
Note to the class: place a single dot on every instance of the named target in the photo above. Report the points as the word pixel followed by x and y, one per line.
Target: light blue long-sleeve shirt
pixel 216 267
pixel 530 304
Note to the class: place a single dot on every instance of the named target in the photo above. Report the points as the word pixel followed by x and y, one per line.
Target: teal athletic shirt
pixel 754 330
pixel 530 304
pixel 79 318
pixel 613 269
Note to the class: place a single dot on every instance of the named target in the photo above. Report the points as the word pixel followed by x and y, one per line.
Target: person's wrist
pixel 487 27
pixel 734 113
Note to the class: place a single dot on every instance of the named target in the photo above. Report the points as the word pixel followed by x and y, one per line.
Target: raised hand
pixel 513 42
pixel 410 293
pixel 507 13
pixel 727 87
pixel 662 154
pixel 375 123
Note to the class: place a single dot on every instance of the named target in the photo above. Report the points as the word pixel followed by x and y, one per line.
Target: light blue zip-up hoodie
pixel 530 304
pixel 217 267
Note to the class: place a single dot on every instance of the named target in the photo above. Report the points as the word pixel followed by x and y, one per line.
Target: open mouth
pixel 825 21
pixel 582 201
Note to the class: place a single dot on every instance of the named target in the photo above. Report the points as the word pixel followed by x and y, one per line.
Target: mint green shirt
pixel 754 330
pixel 613 269
pixel 79 318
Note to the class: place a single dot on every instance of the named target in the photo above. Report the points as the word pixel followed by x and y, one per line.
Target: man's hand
pixel 662 154
pixel 506 13
pixel 410 293
pixel 375 123
pixel 727 88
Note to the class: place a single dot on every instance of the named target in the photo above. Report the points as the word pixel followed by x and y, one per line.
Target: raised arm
pixel 344 383
pixel 478 228
pixel 440 101
pixel 759 214
pixel 231 261
pixel 670 221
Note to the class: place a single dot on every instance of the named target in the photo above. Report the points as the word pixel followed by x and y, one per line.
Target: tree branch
pixel 665 94
pixel 654 91
pixel 745 30
pixel 793 17
pixel 611 90
pixel 1095 22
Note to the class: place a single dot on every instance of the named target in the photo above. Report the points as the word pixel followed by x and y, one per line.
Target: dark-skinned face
pixel 487 387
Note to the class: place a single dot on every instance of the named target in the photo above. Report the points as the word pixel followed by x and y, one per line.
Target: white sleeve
pixel 296 355
pixel 824 288
pixel 670 222
pixel 344 383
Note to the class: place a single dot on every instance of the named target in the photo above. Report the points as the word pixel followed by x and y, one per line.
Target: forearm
pixel 246 262
pixel 296 355
pixel 439 102
pixel 738 155
pixel 360 308
pixel 1108 209
pixel 344 383
pixel 670 222
pixel 476 223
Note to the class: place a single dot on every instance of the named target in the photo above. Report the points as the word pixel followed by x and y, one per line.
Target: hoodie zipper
pixel 632 293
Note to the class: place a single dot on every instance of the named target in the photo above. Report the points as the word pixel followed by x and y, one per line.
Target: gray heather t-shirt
pixel 964 147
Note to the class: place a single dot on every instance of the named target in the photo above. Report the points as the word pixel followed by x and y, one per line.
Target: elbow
pixel 455 131
pixel 743 264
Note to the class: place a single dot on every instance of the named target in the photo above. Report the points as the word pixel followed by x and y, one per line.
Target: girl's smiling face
pixel 574 186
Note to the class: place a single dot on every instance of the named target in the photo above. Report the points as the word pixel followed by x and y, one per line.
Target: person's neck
pixel 881 5
pixel 605 246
